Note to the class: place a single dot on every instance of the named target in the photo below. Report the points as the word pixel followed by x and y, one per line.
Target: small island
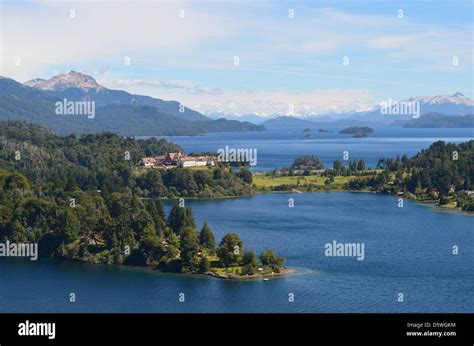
pixel 323 130
pixel 357 131
pixel 304 165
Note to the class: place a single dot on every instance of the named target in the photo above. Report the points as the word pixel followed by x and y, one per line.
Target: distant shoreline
pixel 424 202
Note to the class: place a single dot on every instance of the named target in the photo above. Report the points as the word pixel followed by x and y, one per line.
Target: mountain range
pixel 115 110
pixel 443 111
pixel 129 114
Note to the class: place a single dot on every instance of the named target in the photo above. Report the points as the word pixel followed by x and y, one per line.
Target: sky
pixel 248 57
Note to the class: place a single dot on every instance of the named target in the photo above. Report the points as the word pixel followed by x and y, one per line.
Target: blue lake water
pixel 407 250
pixel 277 148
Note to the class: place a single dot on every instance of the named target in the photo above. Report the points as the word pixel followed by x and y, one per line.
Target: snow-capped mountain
pixel 61 82
pixel 443 105
pixel 456 104
pixel 455 99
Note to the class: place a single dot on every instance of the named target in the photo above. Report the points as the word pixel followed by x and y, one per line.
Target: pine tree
pixel 189 219
pixel 250 262
pixel 158 215
pixel 189 247
pixel 207 239
pixel 204 265
pixel 230 250
pixel 176 219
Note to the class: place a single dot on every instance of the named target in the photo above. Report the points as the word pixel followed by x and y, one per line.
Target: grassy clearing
pixel 450 205
pixel 260 181
pixel 237 272
pixel 227 271
pixel 198 168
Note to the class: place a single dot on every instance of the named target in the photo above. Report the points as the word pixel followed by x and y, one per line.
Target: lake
pixel 407 250
pixel 277 148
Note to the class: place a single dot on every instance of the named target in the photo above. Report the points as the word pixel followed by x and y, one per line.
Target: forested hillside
pixel 106 162
pixel 443 173
pixel 114 111
pixel 81 198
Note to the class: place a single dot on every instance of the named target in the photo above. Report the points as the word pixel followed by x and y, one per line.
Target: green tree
pixel 173 246
pixel 189 218
pixel 70 226
pixel 204 265
pixel 151 247
pixel 207 239
pixel 16 181
pixel 158 215
pixel 337 166
pixel 250 263
pixel 270 259
pixel 189 247
pixel 267 257
pixel 230 250
pixel 245 175
pixel 17 232
pixel 176 219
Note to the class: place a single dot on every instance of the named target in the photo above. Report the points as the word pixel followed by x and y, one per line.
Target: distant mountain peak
pixel 61 82
pixel 457 99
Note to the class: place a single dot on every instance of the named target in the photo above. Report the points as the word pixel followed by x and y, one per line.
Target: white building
pixel 190 161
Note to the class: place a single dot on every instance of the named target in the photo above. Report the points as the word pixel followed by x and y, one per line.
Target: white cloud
pixel 309 47
pixel 394 41
pixel 266 103
pixel 210 99
pixel 44 35
pixel 186 86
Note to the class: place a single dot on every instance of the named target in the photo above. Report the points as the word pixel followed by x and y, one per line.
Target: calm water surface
pixel 277 148
pixel 407 250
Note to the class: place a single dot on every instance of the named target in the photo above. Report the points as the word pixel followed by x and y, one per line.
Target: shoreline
pixel 424 202
pixel 207 275
pixel 433 204
pixel 283 273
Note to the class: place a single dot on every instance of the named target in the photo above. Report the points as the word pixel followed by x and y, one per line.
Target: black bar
pixel 209 329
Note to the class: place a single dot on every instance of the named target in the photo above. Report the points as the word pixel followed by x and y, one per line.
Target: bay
pixel 407 250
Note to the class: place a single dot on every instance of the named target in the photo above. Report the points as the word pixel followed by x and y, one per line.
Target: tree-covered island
pixel 86 199
pixel 357 131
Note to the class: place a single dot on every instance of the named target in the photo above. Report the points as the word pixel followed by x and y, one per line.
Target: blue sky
pixel 283 61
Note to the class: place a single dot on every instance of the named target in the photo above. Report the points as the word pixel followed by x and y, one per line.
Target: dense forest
pixel 79 199
pixel 443 173
pixel 108 162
